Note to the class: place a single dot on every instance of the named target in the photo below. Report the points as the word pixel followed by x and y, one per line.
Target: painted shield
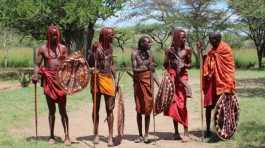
pixel 165 94
pixel 226 116
pixel 73 74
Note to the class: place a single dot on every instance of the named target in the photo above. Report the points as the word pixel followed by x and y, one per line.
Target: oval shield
pixel 73 74
pixel 226 116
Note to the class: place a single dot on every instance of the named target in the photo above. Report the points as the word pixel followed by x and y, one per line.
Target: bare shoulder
pixel 42 48
pixel 63 47
pixel 134 52
pixel 168 50
pixel 189 50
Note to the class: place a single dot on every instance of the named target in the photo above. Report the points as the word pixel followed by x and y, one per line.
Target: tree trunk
pixel 197 58
pixel 90 35
pixel 259 54
pixel 161 45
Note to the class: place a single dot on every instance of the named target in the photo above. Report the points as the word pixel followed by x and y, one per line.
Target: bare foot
pixel 67 141
pixel 146 139
pixel 96 139
pixel 51 140
pixel 185 139
pixel 110 142
pixel 139 139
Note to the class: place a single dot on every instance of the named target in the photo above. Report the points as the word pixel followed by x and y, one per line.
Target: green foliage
pixel 24 79
pixel 31 17
pixel 252 13
pixel 158 32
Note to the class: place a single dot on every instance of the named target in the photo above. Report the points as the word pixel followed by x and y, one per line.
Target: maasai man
pixel 177 109
pixel 52 53
pixel 218 74
pixel 143 67
pixel 104 76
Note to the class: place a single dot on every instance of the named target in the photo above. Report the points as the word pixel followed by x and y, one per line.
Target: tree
pixel 158 32
pixel 252 14
pixel 198 17
pixel 76 18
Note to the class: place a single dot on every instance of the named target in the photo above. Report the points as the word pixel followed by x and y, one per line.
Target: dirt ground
pixel 9 85
pixel 81 127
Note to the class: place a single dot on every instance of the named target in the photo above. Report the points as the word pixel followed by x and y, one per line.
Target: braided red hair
pixel 105 37
pixel 53 29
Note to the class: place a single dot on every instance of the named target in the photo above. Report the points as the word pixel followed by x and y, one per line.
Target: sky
pixel 115 21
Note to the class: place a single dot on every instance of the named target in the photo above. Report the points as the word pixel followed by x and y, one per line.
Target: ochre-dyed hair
pixel 176 36
pixel 51 29
pixel 104 37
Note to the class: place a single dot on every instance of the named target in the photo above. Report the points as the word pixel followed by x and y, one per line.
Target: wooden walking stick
pixel 201 92
pixel 94 92
pixel 36 111
pixel 152 90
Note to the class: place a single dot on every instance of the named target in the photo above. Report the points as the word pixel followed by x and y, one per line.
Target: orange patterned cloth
pixel 104 84
pixel 219 64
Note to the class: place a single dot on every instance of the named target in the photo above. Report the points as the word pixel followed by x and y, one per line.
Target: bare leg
pixel 139 123
pixel 208 121
pixel 176 136
pixel 65 121
pixel 51 118
pixel 109 101
pixel 96 138
pixel 147 123
pixel 185 138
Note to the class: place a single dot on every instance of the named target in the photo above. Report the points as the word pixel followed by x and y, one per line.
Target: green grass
pixel 245 58
pixel 23 57
pixel 17 57
pixel 16 108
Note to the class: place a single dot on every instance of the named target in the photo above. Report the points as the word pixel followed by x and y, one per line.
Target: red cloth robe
pixel 218 73
pixel 50 85
pixel 177 109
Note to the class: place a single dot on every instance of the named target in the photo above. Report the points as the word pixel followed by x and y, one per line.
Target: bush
pixel 24 79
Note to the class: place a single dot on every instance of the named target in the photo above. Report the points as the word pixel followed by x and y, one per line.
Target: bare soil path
pixel 81 127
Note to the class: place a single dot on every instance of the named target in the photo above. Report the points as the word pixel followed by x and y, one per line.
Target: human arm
pixel 38 60
pixel 138 64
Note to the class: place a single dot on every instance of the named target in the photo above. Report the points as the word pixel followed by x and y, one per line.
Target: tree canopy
pixel 198 17
pixel 76 18
pixel 252 14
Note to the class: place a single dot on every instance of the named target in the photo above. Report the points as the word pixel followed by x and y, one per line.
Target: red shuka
pixel 218 73
pixel 50 85
pixel 177 109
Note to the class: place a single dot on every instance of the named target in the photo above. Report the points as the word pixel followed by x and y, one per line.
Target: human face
pixel 54 36
pixel 182 38
pixel 111 35
pixel 147 43
pixel 214 41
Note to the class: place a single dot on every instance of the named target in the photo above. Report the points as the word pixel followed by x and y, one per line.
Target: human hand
pixel 200 45
pixel 34 79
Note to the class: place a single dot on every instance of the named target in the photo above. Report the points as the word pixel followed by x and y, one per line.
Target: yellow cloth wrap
pixel 105 84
